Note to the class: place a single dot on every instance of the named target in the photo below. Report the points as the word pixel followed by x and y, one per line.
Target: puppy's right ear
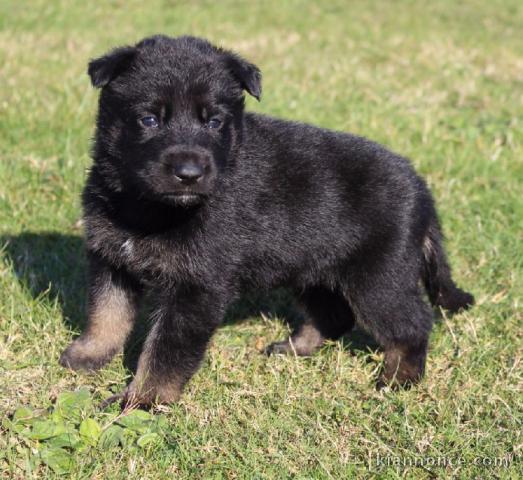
pixel 105 69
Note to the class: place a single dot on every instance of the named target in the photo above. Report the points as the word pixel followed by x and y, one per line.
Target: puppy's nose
pixel 188 172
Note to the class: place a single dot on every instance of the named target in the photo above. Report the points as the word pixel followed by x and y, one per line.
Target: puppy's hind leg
pixel 329 316
pixel 401 323
pixel 111 310
pixel 405 343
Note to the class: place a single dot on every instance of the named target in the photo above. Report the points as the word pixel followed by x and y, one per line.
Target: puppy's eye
pixel 149 121
pixel 214 123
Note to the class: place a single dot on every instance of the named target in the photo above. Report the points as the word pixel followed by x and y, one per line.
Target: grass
pixel 440 82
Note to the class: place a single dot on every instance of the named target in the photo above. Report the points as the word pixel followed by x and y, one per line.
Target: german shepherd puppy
pixel 196 201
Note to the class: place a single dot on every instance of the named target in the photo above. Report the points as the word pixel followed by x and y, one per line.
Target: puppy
pixel 196 201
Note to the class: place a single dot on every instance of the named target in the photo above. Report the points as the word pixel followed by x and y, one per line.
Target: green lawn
pixel 440 82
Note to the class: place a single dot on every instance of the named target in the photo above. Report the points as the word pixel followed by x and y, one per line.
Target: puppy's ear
pixel 104 69
pixel 246 73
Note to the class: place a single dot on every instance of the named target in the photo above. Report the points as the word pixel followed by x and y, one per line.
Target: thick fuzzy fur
pixel 197 201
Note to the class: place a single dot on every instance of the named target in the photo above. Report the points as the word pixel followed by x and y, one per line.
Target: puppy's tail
pixel 441 289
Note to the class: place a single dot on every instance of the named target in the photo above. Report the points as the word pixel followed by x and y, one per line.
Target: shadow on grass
pixel 53 264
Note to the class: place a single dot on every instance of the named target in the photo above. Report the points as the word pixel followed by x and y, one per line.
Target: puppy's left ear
pixel 246 73
pixel 104 69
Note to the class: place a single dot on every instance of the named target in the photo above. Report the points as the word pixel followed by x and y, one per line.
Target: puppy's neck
pixel 149 216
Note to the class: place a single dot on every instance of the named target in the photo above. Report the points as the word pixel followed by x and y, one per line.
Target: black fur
pixel 212 202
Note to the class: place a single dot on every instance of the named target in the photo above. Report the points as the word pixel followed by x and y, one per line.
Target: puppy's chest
pixel 151 258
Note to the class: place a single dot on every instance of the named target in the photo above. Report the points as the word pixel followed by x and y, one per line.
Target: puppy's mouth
pixel 183 198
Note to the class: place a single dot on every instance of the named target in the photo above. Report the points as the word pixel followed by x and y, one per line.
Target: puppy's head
pixel 170 113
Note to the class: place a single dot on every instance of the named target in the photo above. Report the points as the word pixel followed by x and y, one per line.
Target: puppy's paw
pixel 286 347
pixel 394 384
pixel 278 348
pixel 402 377
pixel 144 396
pixel 85 355
pixel 128 400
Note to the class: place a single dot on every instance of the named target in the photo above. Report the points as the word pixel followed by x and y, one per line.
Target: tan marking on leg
pixel 110 320
pixel 147 387
pixel 402 367
pixel 303 343
pixel 307 340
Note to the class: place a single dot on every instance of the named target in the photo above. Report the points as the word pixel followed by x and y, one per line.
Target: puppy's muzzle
pixel 188 166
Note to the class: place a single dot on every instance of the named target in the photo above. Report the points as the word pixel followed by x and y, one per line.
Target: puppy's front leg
pixel 174 348
pixel 111 310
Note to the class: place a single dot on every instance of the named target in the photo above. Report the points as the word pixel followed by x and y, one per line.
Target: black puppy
pixel 196 201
